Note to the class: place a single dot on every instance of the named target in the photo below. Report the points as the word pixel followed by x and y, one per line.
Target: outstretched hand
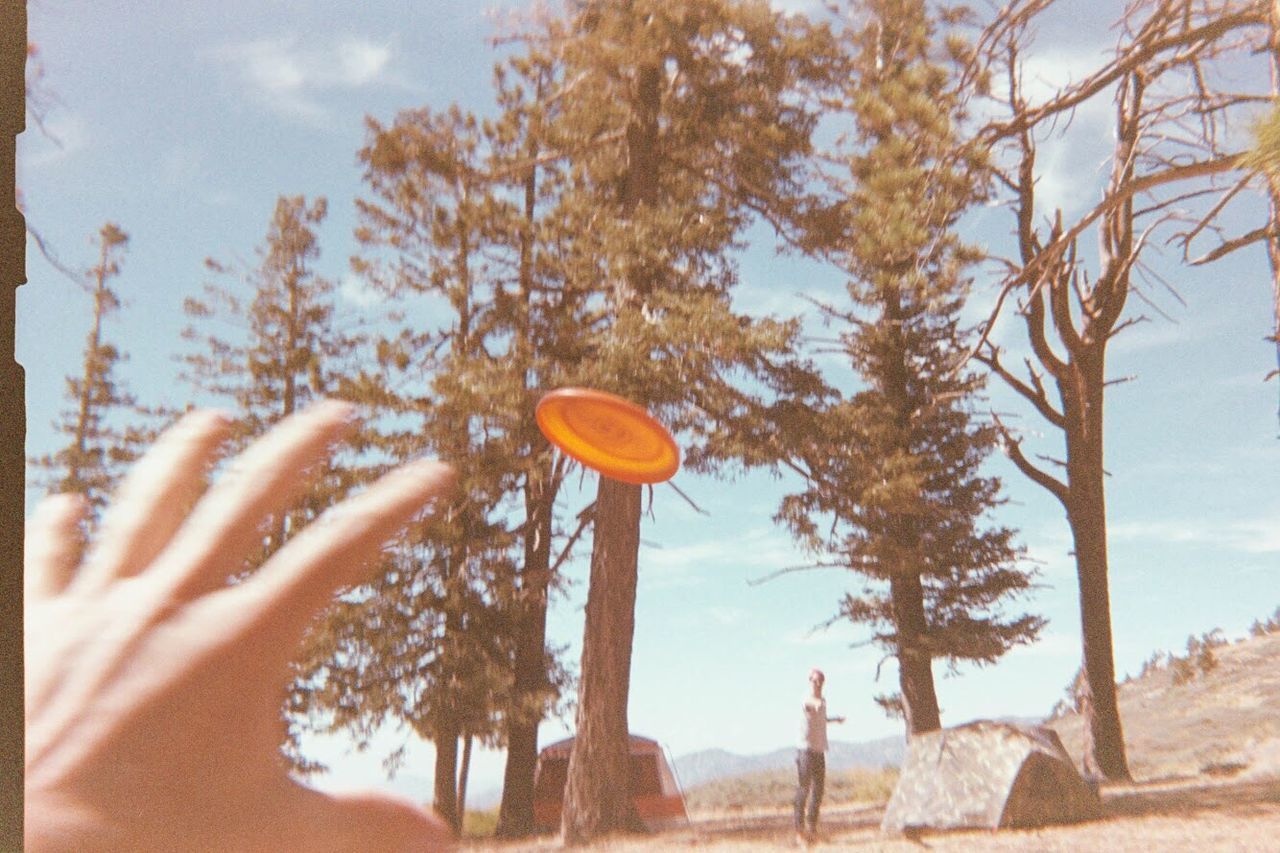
pixel 154 688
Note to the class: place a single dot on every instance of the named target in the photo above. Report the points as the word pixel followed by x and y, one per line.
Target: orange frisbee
pixel 609 434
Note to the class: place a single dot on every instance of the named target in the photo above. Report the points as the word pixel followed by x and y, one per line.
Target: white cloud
pixel 735 559
pixel 357 291
pixel 1063 182
pixel 1071 152
pixel 1046 72
pixel 293 78
pixel 1260 535
pixel 752 549
pixel 797 7
pixel 361 62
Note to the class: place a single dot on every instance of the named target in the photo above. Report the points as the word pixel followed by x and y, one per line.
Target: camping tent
pixel 654 789
pixel 988 775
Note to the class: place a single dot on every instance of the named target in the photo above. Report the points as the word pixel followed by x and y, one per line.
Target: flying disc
pixel 609 434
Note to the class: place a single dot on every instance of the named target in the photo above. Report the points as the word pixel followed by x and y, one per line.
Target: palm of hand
pixel 154 689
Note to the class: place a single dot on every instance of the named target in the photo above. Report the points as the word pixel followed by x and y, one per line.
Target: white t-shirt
pixel 813 734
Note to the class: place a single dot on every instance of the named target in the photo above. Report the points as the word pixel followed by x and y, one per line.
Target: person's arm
pixel 154 688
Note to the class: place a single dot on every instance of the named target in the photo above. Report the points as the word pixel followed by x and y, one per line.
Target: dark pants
pixel 812 769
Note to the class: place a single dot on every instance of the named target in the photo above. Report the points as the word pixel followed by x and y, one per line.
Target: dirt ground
pixel 1197 814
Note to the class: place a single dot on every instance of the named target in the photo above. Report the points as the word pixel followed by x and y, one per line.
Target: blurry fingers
pixel 323 822
pixel 337 550
pixel 376 821
pixel 227 524
pixel 53 544
pixel 155 499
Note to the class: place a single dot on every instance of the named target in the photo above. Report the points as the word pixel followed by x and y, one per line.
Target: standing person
pixel 811 759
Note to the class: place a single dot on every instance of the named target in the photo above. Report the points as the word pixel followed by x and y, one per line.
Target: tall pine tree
pixel 895 468
pixel 102 426
pixel 433 234
pixel 680 122
pixel 265 341
pixel 539 314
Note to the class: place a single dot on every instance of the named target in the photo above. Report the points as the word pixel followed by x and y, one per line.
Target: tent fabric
pixel 988 775
pixel 654 788
pixel 639 746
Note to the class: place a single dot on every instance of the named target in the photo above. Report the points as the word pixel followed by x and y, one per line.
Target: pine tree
pixel 539 314
pixel 681 121
pixel 286 350
pixel 434 229
pixel 472 211
pixel 286 347
pixel 99 445
pixel 897 468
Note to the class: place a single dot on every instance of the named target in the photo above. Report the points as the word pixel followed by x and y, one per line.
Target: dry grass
pixel 774 789
pixel 1189 814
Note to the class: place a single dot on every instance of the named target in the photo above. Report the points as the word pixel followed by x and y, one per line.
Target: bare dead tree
pixel 1171 176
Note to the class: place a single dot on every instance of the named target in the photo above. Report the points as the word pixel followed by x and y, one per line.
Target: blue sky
pixel 182 122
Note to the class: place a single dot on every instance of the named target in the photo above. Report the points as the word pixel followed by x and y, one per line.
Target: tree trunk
pixel 915 663
pixel 515 815
pixel 906 593
pixel 463 772
pixel 446 781
pixel 1104 751
pixel 598 793
pixel 597 797
pixel 1273 189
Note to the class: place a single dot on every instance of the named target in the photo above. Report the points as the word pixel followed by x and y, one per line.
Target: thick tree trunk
pixel 598 793
pixel 1104 751
pixel 915 663
pixel 446 781
pixel 515 815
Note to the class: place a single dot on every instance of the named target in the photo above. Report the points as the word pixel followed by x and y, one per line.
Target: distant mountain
pixel 489 798
pixel 709 765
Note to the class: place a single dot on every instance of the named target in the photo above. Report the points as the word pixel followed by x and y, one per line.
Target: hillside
pixel 1221 722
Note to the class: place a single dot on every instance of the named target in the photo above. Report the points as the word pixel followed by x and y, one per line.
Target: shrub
pixel 1261 628
pixel 1200 657
pixel 1155 663
pixel 1182 670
